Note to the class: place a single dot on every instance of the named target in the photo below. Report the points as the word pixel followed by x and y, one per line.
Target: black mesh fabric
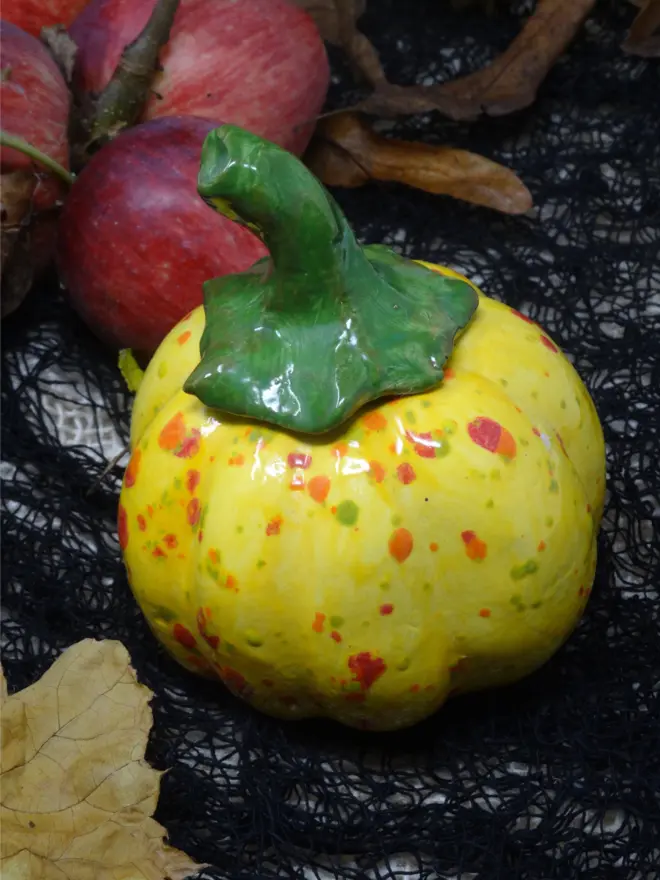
pixel 557 777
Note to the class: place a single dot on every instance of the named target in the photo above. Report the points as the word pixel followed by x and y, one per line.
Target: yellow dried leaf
pixel 77 795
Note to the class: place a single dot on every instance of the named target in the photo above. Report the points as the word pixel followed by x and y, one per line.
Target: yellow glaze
pixel 439 544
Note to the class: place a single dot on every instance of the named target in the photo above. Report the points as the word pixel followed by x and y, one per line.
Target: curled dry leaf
pixel 77 794
pixel 346 152
pixel 644 36
pixel 509 83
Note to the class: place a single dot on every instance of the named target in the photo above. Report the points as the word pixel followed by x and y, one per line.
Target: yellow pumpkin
pixel 440 543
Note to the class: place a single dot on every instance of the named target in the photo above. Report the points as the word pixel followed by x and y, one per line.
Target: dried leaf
pixel 346 152
pixel 62 48
pixel 509 83
pixel 644 35
pixel 326 14
pixel 77 794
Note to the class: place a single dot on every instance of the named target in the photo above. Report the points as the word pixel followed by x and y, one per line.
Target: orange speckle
pixel 475 548
pixel 340 450
pixel 392 448
pixel 213 556
pixel 406 473
pixel 132 470
pixel 414 688
pixel 142 523
pixel 231 582
pixel 449 373
pixel 236 460
pixel 541 546
pixel 400 544
pixel 185 336
pixel 485 612
pixel 150 510
pixel 173 434
pixel 433 547
pixel 211 458
pixel 297 482
pixel 377 471
pixel 333 509
pixel 158 552
pixel 335 635
pixel 386 609
pixel 180 555
pixel 319 620
pixel 374 421
pixel 192 480
pixel 171 542
pixel 273 527
pixel 318 488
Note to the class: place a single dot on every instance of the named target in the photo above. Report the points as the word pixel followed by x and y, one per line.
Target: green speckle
pixel 336 621
pixel 261 563
pixel 214 573
pixel 230 648
pixel 490 503
pixel 403 664
pixel 523 441
pixel 443 449
pixel 426 404
pixel 365 624
pixel 347 513
pixel 562 404
pixel 504 383
pixel 254 436
pixel 385 586
pixel 352 686
pixel 239 529
pixel 253 639
pixel 536 605
pixel 162 369
pixel 495 474
pixel 396 520
pixel 518 572
pixel 549 521
pixel 202 519
pixel 535 395
pixel 411 417
pixel 554 486
pixel 516 599
pixel 449 428
pixel 163 614
pixel 177 483
pixel 427 587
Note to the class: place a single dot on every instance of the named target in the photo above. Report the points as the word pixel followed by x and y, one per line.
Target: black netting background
pixel 558 777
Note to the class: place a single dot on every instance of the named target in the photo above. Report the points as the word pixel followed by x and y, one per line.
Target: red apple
pixel 260 64
pixel 136 241
pixel 32 15
pixel 35 108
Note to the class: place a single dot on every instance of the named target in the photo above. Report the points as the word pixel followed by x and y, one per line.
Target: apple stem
pixel 16 143
pixel 122 100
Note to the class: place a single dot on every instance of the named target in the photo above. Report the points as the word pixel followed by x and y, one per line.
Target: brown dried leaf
pixel 644 35
pixel 509 83
pixel 326 14
pixel 77 794
pixel 346 152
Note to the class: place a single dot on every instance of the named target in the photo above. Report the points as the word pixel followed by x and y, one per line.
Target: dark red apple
pixel 35 108
pixel 32 15
pixel 260 64
pixel 136 241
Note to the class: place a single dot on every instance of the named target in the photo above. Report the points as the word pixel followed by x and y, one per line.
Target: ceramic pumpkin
pixel 357 485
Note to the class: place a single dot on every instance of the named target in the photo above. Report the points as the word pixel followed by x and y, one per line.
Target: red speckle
pixel 132 470
pixel 536 432
pixel 190 445
pixel 122 527
pixel 414 688
pixel 490 435
pixel 273 527
pixel 406 473
pixel 335 635
pixel 386 609
pixel 588 508
pixel 233 679
pixel 549 344
pixel 158 552
pixel 475 548
pixel 184 636
pixel 200 536
pixel 523 317
pixel 193 511
pixel 423 444
pixel 171 542
pixel 192 480
pixel 366 669
pixel 318 488
pixel 355 697
pixel 142 523
pixel 541 547
pixel 377 471
pixel 319 620
pixel 231 582
pixel 485 612
pixel 299 460
pixel 561 443
pixel 400 544
pixel 433 547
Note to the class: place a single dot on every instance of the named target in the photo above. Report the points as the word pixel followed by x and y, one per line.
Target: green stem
pixel 304 339
pixel 16 143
